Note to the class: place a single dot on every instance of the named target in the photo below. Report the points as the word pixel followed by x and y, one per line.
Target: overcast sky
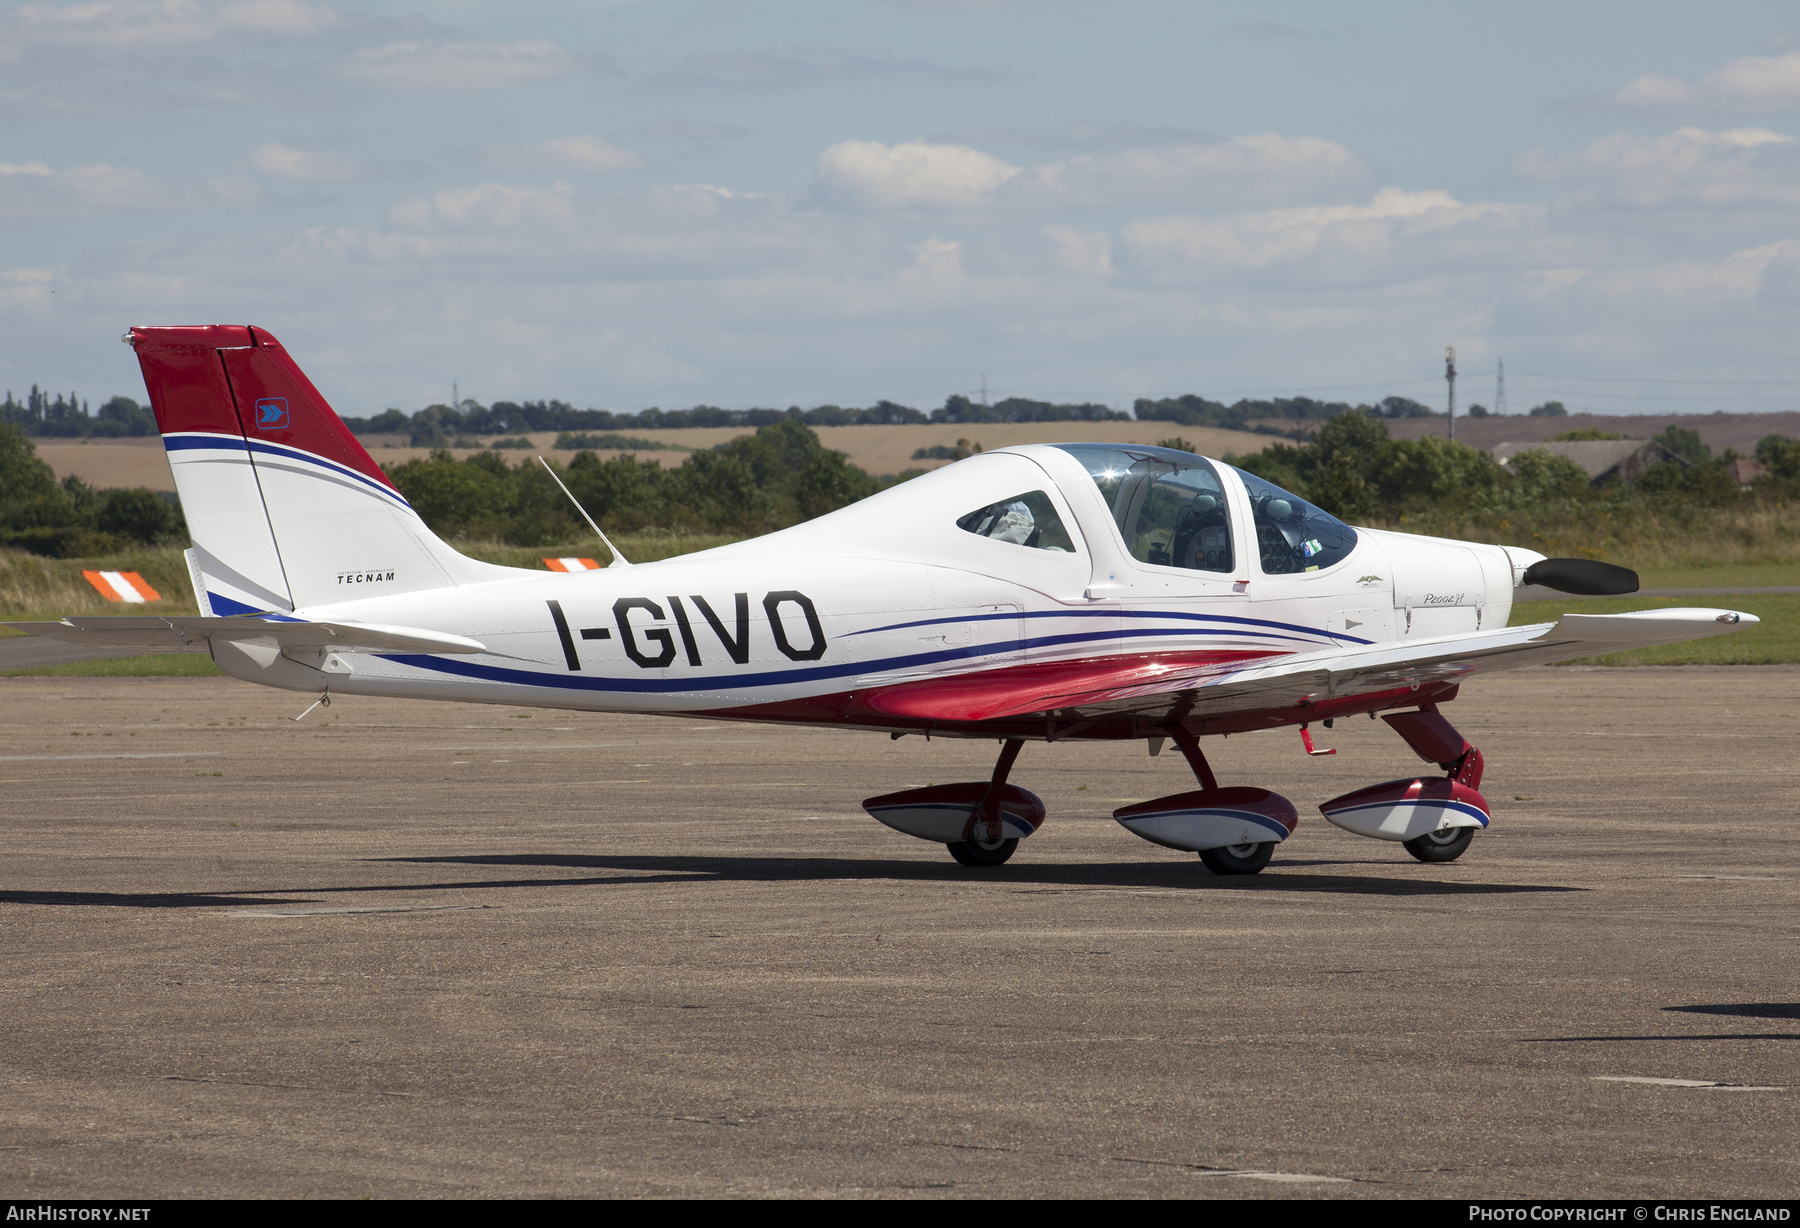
pixel 742 203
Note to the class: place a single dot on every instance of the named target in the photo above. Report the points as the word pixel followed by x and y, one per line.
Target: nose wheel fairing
pixel 1402 810
pixel 1423 813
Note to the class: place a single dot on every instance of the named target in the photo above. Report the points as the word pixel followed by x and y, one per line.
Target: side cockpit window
pixel 1027 520
pixel 1169 505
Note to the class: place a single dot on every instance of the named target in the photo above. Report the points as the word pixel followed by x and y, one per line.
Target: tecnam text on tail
pixel 1040 593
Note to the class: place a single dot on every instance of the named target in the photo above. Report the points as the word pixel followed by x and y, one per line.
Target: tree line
pixel 781 474
pixel 438 426
pixel 69 418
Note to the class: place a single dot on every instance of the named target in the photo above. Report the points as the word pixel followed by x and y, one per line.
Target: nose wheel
pixel 1445 845
pixel 980 853
pixel 1238 858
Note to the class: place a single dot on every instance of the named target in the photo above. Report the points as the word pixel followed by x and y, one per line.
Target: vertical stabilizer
pixel 286 508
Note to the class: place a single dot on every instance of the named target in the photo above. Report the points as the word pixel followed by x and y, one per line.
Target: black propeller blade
pixel 1583 577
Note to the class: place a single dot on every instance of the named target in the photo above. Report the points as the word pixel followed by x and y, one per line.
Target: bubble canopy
pixel 1172 511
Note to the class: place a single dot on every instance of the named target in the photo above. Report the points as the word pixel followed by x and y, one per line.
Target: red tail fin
pixel 229 380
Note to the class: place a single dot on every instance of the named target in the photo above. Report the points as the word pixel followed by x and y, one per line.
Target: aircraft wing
pixel 1163 691
pixel 195 634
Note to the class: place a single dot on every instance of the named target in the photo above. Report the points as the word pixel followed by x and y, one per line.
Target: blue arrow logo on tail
pixel 272 414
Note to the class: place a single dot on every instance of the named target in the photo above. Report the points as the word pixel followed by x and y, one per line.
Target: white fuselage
pixel 890 591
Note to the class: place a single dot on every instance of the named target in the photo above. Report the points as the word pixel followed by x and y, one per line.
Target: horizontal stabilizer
pixel 194 634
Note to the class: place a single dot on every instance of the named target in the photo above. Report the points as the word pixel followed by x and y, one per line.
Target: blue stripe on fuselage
pixel 1229 619
pixel 497 673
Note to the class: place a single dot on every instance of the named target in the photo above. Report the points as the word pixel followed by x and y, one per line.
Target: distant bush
pixel 69 519
pixel 1684 443
pixel 940 451
pixel 778 476
pixel 1586 434
pixel 575 441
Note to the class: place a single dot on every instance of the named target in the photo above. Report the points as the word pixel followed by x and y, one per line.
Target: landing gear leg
pixel 987 843
pixel 1190 750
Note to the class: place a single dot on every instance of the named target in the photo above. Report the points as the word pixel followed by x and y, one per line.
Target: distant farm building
pixel 1744 471
pixel 1603 460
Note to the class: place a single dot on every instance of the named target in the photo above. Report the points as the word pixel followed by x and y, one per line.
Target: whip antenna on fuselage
pixel 618 560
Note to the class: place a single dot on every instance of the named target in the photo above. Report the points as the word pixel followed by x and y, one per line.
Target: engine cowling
pixel 1211 818
pixel 945 813
pixel 1403 810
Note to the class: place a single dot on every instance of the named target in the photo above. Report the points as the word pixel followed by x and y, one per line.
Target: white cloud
pixel 759 71
pixel 636 292
pixel 37 190
pixel 447 66
pixel 1740 276
pixel 1290 236
pixel 566 153
pixel 936 270
pixel 1085 252
pixel 1689 165
pixel 910 175
pixel 285 162
pixel 1264 165
pixel 160 25
pixel 26 290
pixel 490 206
pixel 1753 83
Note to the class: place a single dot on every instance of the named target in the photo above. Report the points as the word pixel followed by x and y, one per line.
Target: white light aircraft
pixel 1040 593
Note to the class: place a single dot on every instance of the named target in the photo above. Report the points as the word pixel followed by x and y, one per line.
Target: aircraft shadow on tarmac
pixel 1747 1010
pixel 1160 874
pixel 127 899
pixel 1742 1010
pixel 627 870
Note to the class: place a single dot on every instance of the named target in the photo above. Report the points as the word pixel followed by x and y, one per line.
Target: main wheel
pixel 1238 858
pixel 1445 845
pixel 972 854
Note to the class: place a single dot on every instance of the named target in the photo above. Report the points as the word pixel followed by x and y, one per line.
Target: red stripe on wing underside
pixel 1018 690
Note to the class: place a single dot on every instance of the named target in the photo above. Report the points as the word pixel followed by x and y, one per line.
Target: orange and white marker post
pixel 122 586
pixel 571 564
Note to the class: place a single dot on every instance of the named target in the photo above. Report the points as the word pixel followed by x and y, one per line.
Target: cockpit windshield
pixel 1170 506
pixel 1291 534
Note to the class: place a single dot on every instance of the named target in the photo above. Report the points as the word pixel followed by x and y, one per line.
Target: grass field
pixel 1728 575
pixel 1775 641
pixel 151 665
